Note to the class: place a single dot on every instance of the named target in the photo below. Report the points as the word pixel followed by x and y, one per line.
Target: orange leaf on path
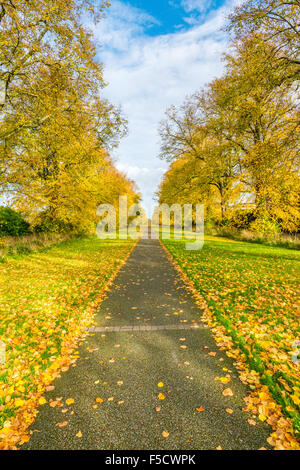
pixel 200 409
pixel 227 392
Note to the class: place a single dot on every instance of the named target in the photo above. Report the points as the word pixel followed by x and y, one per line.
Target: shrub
pixel 12 223
pixel 265 226
pixel 241 219
pixel 210 224
pixel 46 223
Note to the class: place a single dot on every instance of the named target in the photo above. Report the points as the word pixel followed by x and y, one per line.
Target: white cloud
pixel 121 24
pixel 199 5
pixel 146 74
pixel 148 179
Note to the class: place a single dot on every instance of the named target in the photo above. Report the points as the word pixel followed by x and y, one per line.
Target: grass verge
pixel 15 246
pixel 276 240
pixel 47 299
pixel 252 290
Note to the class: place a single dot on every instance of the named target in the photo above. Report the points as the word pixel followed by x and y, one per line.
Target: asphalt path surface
pixel 148 332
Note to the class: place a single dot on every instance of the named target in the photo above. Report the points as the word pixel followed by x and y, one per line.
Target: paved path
pixel 148 316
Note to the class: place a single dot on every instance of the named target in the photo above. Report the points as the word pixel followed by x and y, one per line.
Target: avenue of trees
pixel 234 145
pixel 56 131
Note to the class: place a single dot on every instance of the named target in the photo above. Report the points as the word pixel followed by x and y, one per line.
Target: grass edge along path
pixel 263 391
pixel 14 430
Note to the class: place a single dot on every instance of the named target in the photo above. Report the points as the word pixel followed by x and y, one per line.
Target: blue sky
pixel 155 53
pixel 174 15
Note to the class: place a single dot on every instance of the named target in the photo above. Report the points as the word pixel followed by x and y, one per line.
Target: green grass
pixel 14 246
pixel 252 290
pixel 46 300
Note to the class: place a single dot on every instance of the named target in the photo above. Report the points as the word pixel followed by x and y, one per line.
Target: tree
pixel 56 130
pixel 182 131
pixel 211 161
pixel 240 137
pixel 261 115
pixel 279 22
pixel 52 168
pixel 34 33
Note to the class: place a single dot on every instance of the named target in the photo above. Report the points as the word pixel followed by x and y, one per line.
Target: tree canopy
pixel 235 144
pixel 56 130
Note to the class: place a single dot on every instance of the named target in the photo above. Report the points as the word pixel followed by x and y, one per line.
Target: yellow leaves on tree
pixel 234 145
pixel 56 131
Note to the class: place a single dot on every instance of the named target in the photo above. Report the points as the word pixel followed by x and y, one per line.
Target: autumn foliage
pixel 248 293
pixel 56 129
pixel 47 300
pixel 234 147
pixel 235 144
pixel 56 135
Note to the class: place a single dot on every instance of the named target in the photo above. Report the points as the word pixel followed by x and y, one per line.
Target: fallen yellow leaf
pixel 19 402
pixel 61 425
pixel 69 401
pixel 290 408
pixel 200 409
pixel 252 422
pixel 227 392
pixel 262 418
pixel 224 380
